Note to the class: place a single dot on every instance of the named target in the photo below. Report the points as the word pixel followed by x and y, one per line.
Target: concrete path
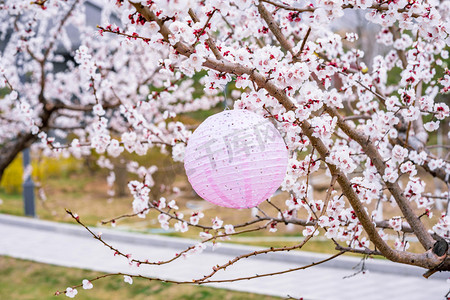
pixel 71 246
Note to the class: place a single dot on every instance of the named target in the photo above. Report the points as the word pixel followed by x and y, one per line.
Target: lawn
pixel 21 279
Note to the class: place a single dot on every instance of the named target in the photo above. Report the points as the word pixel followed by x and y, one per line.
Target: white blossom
pixel 128 279
pixel 87 284
pixel 71 293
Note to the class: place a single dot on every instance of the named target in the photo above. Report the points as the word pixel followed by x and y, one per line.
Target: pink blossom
pixel 205 235
pixel 442 227
pixel 229 229
pixel 71 293
pixel 172 204
pixel 195 217
pixel 401 245
pixel 162 203
pixel 324 221
pixel 408 167
pixel 411 113
pixel 442 111
pixel 199 248
pixel 431 126
pixel 390 175
pixel 217 223
pixel 399 153
pixel 383 235
pixel 87 284
pixel 164 221
pixel 181 226
pixel 114 149
pixel 309 230
pixel 396 223
pixel 98 110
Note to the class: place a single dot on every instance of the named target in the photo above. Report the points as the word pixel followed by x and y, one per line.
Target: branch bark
pixel 10 150
pixel 275 28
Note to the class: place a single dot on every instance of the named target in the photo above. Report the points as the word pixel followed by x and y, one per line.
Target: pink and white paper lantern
pixel 236 159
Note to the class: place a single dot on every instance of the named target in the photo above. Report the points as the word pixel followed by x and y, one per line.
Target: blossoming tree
pixel 366 125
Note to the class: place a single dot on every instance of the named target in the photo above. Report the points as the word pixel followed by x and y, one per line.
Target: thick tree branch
pixel 275 28
pixel 400 53
pixel 426 260
pixel 369 149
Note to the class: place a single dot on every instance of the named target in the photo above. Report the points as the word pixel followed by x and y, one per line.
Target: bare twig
pixel 423 259
pixel 379 7
pixel 304 42
pixel 209 40
pixel 201 281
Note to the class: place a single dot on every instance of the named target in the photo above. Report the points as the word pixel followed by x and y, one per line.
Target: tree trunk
pixel 121 179
pixel 11 149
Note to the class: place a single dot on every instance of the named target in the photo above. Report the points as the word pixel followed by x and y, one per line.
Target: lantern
pixel 236 159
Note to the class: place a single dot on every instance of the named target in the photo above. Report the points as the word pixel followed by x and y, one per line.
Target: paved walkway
pixel 71 246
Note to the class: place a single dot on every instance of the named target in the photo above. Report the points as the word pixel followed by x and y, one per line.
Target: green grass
pixel 11 203
pixel 20 279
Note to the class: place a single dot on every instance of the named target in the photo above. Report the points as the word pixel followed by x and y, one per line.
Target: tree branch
pixel 275 28
pixel 426 260
pixel 209 40
pixel 369 149
pixel 379 7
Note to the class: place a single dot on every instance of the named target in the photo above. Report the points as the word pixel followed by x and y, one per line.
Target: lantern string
pixel 225 99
